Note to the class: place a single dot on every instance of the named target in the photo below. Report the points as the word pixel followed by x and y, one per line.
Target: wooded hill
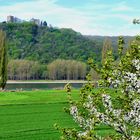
pixel 43 45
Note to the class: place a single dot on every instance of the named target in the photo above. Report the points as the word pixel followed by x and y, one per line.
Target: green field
pixel 31 115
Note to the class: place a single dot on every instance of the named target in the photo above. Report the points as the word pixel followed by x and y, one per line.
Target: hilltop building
pixel 10 18
pixel 36 21
pixel 13 19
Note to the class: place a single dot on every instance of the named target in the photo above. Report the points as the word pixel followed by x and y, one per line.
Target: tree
pixel 44 23
pixel 106 47
pixel 99 108
pixel 3 60
pixel 136 21
pixel 94 75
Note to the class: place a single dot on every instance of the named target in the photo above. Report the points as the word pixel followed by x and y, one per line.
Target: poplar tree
pixel 3 60
pixel 107 46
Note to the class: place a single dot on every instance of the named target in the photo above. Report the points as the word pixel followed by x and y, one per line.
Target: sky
pixel 89 17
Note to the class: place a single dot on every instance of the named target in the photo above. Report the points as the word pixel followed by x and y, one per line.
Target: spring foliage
pixel 99 108
pixel 106 47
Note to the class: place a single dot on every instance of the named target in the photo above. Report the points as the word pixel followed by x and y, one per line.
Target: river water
pixel 41 86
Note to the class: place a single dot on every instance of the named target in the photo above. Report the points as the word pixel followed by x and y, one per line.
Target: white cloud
pixel 122 8
pixel 90 19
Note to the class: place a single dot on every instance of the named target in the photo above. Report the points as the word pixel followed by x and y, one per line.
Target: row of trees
pixel 25 70
pixel 67 69
pixel 57 70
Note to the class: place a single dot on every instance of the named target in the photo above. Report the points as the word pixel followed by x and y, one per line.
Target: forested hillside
pixel 32 49
pixel 45 44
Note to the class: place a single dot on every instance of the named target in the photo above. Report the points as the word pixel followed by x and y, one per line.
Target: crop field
pixel 31 115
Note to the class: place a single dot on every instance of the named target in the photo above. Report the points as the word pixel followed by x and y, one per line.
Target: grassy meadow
pixel 31 115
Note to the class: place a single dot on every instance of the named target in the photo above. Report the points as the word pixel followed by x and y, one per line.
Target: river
pixel 40 85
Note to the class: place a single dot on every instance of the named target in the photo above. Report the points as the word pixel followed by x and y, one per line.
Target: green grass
pixel 31 115
pixel 35 97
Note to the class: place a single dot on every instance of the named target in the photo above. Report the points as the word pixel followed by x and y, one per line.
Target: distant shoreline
pixel 44 81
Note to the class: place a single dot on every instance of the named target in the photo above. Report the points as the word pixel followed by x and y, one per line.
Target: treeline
pixel 67 69
pixel 25 70
pixel 57 70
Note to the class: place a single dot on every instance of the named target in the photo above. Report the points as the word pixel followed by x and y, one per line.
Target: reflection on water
pixel 43 86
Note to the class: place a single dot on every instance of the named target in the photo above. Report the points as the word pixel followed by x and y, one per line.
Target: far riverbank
pixel 46 81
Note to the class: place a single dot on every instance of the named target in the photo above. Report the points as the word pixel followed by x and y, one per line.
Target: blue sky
pixel 90 17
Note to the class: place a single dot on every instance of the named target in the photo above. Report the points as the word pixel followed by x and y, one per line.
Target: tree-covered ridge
pixel 45 44
pixel 39 47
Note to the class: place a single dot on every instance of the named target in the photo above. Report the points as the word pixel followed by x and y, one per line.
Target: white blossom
pixel 117 118
pixel 81 134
